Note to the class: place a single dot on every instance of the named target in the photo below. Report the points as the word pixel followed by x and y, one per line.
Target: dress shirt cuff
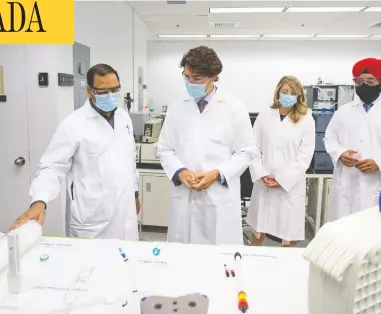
pixel 221 179
pixel 175 178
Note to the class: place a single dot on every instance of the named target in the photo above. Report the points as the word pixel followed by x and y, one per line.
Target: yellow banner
pixel 36 22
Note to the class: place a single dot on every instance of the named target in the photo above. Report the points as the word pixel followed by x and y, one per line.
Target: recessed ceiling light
pixel 181 36
pixel 373 9
pixel 235 36
pixel 288 36
pixel 324 9
pixel 342 36
pixel 245 10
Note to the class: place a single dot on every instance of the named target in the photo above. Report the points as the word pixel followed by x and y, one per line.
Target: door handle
pixel 148 187
pixel 20 161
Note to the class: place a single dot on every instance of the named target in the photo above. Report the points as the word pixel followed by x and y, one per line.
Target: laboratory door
pixel 81 63
pixel 14 152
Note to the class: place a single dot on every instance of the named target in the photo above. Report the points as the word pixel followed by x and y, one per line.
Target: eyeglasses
pixel 194 79
pixel 371 81
pixel 105 91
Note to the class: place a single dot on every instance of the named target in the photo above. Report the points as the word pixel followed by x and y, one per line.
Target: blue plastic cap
pixel 332 109
pixel 323 110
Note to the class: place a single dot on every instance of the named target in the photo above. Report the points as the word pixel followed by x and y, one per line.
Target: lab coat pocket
pixel 95 208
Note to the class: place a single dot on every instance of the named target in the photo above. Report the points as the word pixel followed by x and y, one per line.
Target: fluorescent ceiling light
pixel 181 36
pixel 375 36
pixel 245 10
pixel 342 36
pixel 373 9
pixel 288 36
pixel 235 36
pixel 324 9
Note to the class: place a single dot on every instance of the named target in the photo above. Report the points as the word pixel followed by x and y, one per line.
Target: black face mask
pixel 367 93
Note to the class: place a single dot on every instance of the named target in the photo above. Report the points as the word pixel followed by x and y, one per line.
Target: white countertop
pixel 275 279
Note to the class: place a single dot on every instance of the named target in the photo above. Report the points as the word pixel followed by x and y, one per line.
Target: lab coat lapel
pixel 218 97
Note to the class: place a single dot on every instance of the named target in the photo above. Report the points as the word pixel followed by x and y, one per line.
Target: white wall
pixel 252 69
pixel 116 35
pixel 140 56
pixel 44 108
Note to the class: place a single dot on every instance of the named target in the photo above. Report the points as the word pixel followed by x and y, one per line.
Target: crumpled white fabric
pixel 29 235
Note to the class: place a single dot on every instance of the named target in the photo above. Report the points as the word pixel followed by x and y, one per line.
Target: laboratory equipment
pixel 127 101
pixel 227 274
pixel 152 130
pixel 328 97
pixel 149 154
pixel 189 304
pixel 321 161
pixel 14 279
pixel 243 305
pixel 138 120
pixel 137 150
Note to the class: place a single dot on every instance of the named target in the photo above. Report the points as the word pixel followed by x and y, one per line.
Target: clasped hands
pixel 270 182
pixel 366 165
pixel 198 180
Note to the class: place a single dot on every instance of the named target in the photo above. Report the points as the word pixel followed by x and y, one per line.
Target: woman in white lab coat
pixel 285 142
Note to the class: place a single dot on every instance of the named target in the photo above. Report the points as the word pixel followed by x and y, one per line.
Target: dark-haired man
pixel 205 145
pixel 354 143
pixel 94 150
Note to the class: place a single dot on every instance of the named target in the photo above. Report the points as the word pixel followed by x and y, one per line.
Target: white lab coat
pixel 284 150
pixel 100 163
pixel 351 128
pixel 219 138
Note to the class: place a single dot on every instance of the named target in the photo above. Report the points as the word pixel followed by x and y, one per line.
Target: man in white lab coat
pixel 94 150
pixel 204 147
pixel 353 140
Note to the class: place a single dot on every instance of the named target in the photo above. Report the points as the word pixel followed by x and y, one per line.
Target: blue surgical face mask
pixel 196 90
pixel 287 100
pixel 108 102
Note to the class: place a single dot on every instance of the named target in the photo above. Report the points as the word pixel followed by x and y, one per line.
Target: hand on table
pixel 347 158
pixel 270 182
pixel 367 165
pixel 204 180
pixel 36 212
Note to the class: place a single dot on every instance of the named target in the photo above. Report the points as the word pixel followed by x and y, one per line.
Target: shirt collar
pixel 208 97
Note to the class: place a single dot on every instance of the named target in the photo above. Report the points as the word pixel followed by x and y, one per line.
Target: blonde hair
pixel 300 108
